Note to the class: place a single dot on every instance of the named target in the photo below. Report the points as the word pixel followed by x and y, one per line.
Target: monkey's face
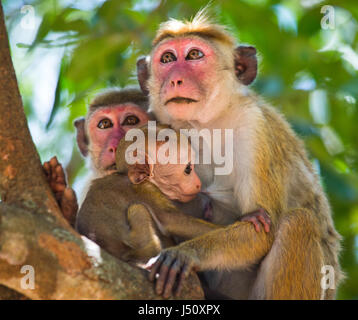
pixel 106 127
pixel 185 78
pixel 178 181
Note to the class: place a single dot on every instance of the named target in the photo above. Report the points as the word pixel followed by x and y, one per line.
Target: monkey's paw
pixel 171 269
pixel 65 196
pixel 257 218
pixel 55 176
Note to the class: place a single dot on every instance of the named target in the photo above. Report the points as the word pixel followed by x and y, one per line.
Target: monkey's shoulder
pixel 117 187
pixel 277 126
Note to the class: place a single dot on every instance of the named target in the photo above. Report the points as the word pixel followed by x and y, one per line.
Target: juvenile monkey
pixel 130 213
pixel 196 76
pixel 110 115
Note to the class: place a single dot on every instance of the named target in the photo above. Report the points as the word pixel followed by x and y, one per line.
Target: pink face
pixel 177 181
pixel 107 126
pixel 185 69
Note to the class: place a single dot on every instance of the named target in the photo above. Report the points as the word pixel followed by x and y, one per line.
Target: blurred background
pixel 65 51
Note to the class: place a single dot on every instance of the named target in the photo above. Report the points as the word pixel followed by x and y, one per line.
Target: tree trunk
pixel 33 232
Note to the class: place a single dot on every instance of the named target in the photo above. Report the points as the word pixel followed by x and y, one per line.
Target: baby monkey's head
pixel 163 157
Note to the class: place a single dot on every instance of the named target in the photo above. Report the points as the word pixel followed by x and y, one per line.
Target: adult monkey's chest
pixel 219 189
pixel 233 190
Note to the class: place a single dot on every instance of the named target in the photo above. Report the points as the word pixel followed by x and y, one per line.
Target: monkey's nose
pixel 112 149
pixel 176 83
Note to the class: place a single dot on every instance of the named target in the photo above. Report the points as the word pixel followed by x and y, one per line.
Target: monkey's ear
pixel 245 64
pixel 82 140
pixel 138 173
pixel 143 74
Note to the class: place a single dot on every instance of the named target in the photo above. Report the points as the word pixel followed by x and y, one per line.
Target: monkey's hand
pixel 66 197
pixel 257 218
pixel 173 266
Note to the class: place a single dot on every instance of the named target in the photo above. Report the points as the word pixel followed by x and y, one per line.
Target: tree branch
pixel 66 265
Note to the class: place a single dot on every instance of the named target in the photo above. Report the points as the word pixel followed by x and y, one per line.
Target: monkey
pixel 130 211
pixel 111 114
pixel 197 77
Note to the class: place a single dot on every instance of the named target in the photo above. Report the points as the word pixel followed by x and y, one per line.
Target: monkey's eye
pixel 167 57
pixel 105 124
pixel 188 169
pixel 194 54
pixel 130 121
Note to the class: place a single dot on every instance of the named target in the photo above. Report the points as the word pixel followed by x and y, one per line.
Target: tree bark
pixel 22 180
pixel 33 231
pixel 66 265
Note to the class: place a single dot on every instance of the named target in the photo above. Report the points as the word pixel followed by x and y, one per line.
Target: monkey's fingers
pixel 55 176
pixel 47 169
pixel 60 175
pixel 258 218
pixel 163 274
pixel 53 164
pixel 183 275
pixel 254 220
pixel 266 222
pixel 172 276
pixel 53 161
pixel 57 185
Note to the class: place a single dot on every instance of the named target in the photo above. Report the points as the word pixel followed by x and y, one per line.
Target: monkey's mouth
pixel 180 100
pixel 112 167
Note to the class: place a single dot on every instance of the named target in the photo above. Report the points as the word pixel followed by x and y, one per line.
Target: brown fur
pixel 119 96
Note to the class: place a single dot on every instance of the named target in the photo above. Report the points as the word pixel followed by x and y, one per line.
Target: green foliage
pixel 306 71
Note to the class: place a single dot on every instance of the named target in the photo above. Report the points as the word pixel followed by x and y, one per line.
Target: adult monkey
pixel 111 114
pixel 196 78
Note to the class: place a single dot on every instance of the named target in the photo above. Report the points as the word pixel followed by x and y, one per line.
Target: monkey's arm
pixel 184 226
pixel 178 224
pixel 141 238
pixel 235 247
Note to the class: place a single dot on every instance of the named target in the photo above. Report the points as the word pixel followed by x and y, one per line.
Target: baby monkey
pixel 130 213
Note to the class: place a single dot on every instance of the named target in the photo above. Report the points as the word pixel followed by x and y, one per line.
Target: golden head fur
pixel 201 25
